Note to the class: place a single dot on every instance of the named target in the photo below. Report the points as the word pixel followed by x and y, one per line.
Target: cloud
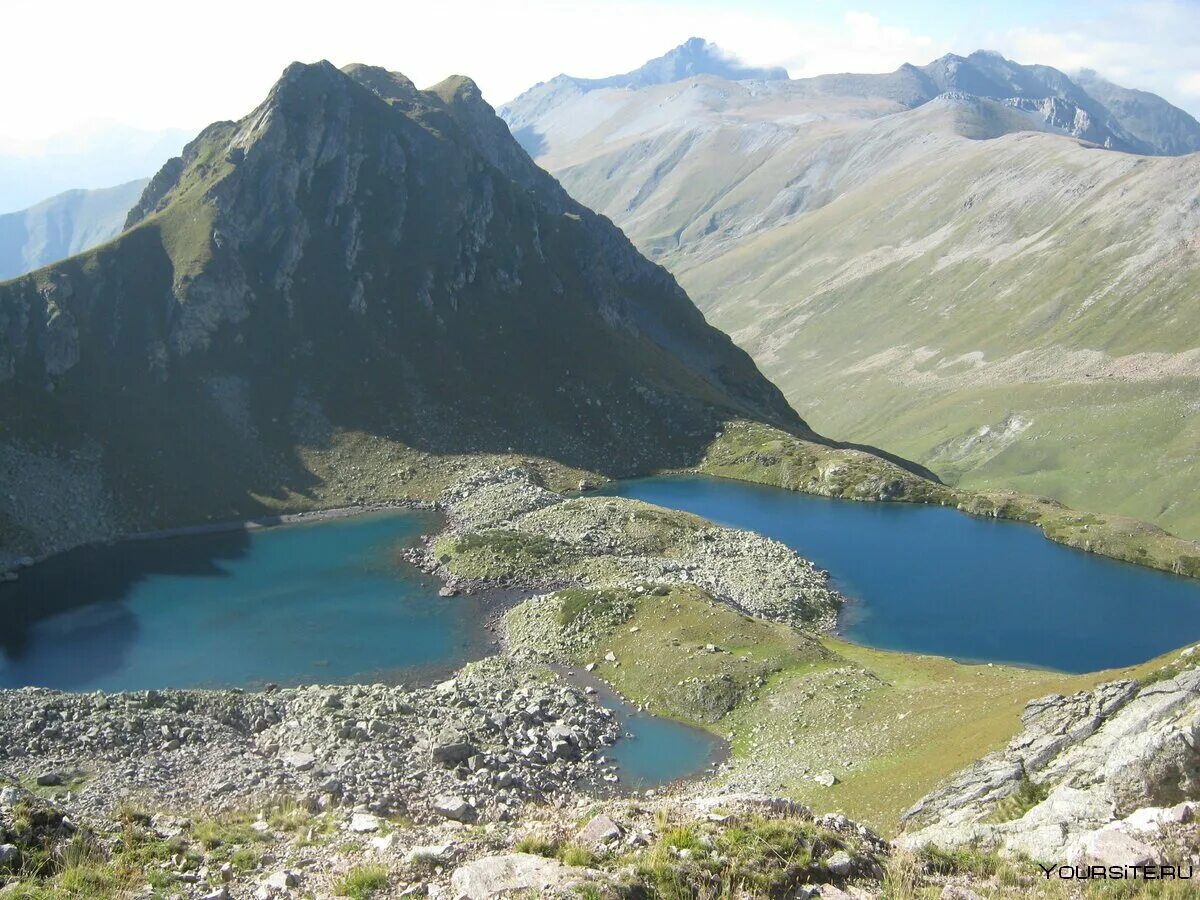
pixel 860 42
pixel 156 65
pixel 1153 46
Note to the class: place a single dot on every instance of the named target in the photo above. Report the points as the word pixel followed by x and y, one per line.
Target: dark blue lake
pixel 320 602
pixel 933 580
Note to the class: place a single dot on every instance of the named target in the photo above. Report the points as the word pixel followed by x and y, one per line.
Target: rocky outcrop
pixel 1081 764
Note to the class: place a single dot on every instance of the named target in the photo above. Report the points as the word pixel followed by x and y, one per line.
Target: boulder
pixel 1110 846
pixel 456 809
pixel 599 831
pixel 9 857
pixel 840 864
pixel 364 823
pixel 299 760
pixel 453 748
pixel 498 876
pixel 282 880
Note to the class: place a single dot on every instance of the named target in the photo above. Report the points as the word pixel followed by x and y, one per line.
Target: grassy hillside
pixel 1011 308
pixel 63 226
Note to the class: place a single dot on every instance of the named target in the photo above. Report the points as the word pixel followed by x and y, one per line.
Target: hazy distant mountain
pixel 354 274
pixel 695 56
pixel 929 270
pixel 1087 107
pixel 63 226
pixel 97 156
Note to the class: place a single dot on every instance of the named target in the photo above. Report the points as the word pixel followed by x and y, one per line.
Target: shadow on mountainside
pixel 78 598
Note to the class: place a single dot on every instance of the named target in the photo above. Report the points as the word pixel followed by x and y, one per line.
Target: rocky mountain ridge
pixel 1086 106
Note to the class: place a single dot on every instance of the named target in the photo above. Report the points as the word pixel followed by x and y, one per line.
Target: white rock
pixel 497 876
pixel 299 760
pixel 282 880
pixel 455 808
pixel 600 830
pixel 383 844
pixel 364 823
pixel 1110 846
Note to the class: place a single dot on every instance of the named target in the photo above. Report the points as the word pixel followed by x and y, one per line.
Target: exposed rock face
pixel 383 260
pixel 1099 757
pixel 499 876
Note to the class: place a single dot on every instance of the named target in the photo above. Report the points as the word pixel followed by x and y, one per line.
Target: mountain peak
pixel 695 56
pixel 357 260
pixel 388 85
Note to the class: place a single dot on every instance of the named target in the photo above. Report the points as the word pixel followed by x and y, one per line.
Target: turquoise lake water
pixel 933 580
pixel 653 751
pixel 321 602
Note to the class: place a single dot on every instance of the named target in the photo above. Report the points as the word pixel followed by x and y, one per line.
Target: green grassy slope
pixel 1019 316
pixel 63 226
pixel 1011 308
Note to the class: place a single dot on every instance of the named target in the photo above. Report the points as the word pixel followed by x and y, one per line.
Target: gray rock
pixel 9 857
pixel 825 779
pixel 282 880
pixel 50 779
pixel 299 760
pixel 1112 847
pixel 455 808
pixel 1102 755
pixel 497 876
pixel 453 748
pixel 840 864
pixel 599 831
pixel 364 823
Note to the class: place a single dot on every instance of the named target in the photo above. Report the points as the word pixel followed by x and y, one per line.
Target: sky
pixel 69 65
